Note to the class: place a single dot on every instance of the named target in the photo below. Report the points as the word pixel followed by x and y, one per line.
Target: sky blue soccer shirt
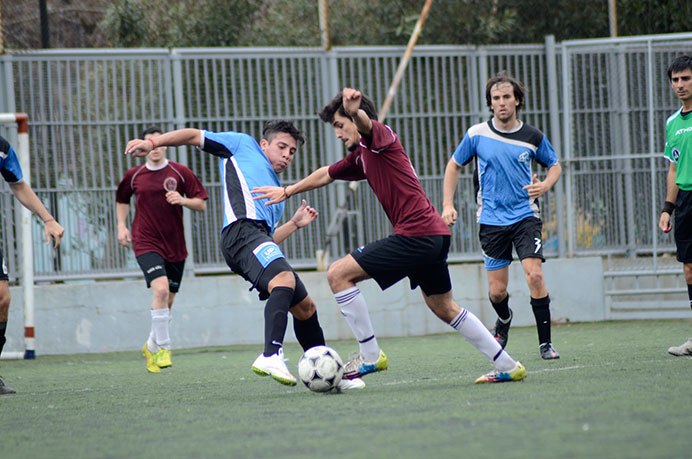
pixel 504 168
pixel 243 166
pixel 9 163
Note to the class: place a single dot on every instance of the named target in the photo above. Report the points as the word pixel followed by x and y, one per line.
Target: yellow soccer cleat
pixel 357 366
pixel 151 361
pixel 517 373
pixel 163 358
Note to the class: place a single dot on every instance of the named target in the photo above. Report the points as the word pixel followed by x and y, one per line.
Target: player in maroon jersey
pixel 417 249
pixel 161 188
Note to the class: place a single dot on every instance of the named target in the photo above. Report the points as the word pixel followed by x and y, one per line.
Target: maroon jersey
pixel 388 170
pixel 158 225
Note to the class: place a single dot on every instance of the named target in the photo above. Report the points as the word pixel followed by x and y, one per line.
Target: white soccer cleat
pixel 350 384
pixel 684 349
pixel 274 366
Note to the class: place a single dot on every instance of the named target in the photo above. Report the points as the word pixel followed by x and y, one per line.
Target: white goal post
pixel 21 120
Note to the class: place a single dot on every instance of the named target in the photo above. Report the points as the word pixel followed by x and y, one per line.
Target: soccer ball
pixel 320 368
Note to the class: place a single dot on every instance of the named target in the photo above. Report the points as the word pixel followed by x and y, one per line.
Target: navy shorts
pixel 422 259
pixel 683 226
pixel 250 251
pixel 497 242
pixel 153 266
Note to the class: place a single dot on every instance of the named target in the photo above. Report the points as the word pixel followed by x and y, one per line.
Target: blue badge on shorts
pixel 267 252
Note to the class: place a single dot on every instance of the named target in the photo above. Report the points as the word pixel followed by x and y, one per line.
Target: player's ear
pixel 264 144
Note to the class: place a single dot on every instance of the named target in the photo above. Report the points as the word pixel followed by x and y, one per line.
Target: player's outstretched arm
pixel 449 187
pixel 142 147
pixel 302 218
pixel 28 198
pixel 277 194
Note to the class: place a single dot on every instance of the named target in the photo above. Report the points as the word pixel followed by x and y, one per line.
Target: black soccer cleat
pixel 6 389
pixel 548 352
pixel 501 332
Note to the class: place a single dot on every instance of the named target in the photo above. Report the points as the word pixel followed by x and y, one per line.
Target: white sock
pixel 355 310
pixel 159 322
pixel 475 333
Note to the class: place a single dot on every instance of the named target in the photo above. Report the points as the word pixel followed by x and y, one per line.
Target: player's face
pixel 280 150
pixel 682 85
pixel 157 155
pixel 502 102
pixel 346 131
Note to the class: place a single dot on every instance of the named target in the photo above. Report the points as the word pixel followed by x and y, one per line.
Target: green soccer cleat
pixel 163 358
pixel 517 373
pixel 274 366
pixel 151 361
pixel 357 366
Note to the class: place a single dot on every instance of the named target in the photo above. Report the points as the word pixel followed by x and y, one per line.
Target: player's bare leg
pixel 499 298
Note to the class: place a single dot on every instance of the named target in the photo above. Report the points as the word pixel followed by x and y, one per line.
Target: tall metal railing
pixel 602 103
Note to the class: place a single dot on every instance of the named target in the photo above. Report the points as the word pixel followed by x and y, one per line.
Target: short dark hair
pixel 273 127
pixel 337 105
pixel 679 64
pixel 151 130
pixel 502 77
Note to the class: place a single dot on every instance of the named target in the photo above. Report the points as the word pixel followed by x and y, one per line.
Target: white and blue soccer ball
pixel 320 368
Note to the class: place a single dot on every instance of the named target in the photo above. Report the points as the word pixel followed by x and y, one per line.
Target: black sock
pixel 3 327
pixel 308 332
pixel 276 319
pixel 689 294
pixel 541 311
pixel 502 308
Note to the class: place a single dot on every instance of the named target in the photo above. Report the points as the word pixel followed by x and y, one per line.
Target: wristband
pixel 668 207
pixel 48 220
pixel 153 145
pixel 286 192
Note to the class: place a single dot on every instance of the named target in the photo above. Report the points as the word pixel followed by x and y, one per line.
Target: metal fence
pixel 602 103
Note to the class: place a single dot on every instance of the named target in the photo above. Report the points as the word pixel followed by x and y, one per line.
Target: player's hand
pixel 174 198
pixel 124 237
pixel 664 222
pixel 275 194
pixel 304 215
pixel 54 230
pixel 351 100
pixel 449 215
pixel 138 147
pixel 536 188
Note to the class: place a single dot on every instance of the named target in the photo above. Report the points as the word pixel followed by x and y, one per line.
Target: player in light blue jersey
pixel 251 231
pixel 507 193
pixel 12 173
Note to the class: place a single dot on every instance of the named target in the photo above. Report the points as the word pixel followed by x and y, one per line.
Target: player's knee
pixel 535 279
pixel 498 295
pixel 304 310
pixel 160 290
pixel 335 276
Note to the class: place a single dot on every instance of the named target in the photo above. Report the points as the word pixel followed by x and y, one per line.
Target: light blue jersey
pixel 243 166
pixel 9 163
pixel 504 168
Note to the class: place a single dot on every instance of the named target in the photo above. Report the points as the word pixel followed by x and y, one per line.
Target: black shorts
pixel 4 274
pixel 250 251
pixel 422 259
pixel 153 266
pixel 683 226
pixel 497 241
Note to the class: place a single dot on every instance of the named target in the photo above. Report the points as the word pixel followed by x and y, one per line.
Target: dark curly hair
pixel 502 77
pixel 679 64
pixel 273 127
pixel 337 105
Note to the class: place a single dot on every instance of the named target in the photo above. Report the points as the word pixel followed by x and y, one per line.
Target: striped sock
pixel 355 310
pixel 475 333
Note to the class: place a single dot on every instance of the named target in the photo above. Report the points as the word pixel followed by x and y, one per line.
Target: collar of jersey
pixel 151 168
pixel 521 123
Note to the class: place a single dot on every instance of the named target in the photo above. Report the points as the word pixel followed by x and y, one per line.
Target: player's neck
pixel 156 164
pixel 508 125
pixel 687 105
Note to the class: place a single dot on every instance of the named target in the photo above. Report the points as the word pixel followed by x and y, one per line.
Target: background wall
pixel 84 317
